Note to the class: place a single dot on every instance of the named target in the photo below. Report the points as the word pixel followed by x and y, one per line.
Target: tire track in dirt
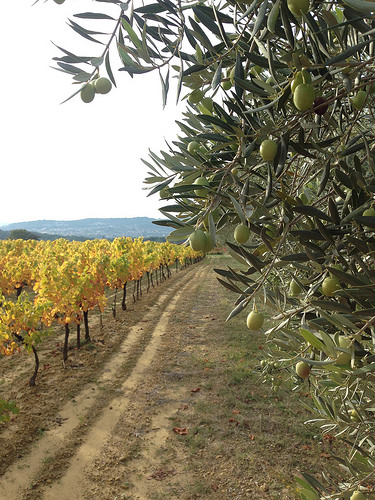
pixel 72 484
pixel 86 423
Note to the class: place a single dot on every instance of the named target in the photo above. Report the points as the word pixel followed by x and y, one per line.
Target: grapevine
pixel 56 283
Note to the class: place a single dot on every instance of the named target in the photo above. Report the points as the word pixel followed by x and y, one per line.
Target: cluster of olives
pixel 99 86
pixel 201 241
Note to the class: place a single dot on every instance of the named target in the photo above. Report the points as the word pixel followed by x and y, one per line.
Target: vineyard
pixel 46 284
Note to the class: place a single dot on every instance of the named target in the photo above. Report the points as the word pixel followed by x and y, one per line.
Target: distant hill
pixel 92 228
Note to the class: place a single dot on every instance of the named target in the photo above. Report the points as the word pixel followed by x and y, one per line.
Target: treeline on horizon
pixel 24 234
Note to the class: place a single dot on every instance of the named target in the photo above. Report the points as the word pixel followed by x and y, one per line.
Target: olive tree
pixel 277 139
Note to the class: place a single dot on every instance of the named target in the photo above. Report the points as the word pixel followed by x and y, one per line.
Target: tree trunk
pixel 148 280
pixel 162 273
pixel 33 378
pixel 123 303
pixel 66 344
pixel 78 335
pixel 86 323
pixel 114 304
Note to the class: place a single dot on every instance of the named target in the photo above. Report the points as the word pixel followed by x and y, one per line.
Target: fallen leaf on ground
pixel 196 390
pixel 182 431
pixel 161 474
pixel 328 437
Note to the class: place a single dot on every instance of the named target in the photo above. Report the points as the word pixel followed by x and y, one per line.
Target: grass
pixel 245 440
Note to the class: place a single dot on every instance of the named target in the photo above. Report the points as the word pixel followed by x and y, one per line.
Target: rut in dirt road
pixel 86 423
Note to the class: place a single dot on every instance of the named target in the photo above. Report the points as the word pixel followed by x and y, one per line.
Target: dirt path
pixel 62 462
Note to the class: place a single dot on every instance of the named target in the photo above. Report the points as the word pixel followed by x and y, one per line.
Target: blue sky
pixel 72 160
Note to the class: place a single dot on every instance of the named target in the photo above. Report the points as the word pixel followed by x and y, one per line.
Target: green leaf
pixel 195 68
pixel 132 34
pixel 200 35
pixel 159 187
pixel 295 257
pixel 97 61
pixel 330 347
pixel 361 6
pixel 309 495
pixel 324 178
pixel 238 209
pixel 312 212
pixel 180 234
pixel 314 482
pixel 302 149
pixel 154 8
pixel 262 108
pixel 364 370
pixel 82 77
pixel 263 61
pixel 216 121
pixel 217 77
pixel 93 15
pixel 126 59
pixel 238 309
pixel 109 69
pixel 212 228
pixel 164 87
pixel 347 278
pixel 329 305
pixel 230 286
pixel 180 80
pixel 250 87
pixel 83 32
pixel 260 18
pixel 68 68
pixel 367 220
pixel 314 362
pixel 206 20
pixel 311 338
pixel 346 53
pixel 273 16
pixel 238 76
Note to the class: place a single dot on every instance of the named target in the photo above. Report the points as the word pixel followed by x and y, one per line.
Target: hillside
pixel 94 228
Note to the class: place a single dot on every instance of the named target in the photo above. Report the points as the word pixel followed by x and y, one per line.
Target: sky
pixel 74 160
